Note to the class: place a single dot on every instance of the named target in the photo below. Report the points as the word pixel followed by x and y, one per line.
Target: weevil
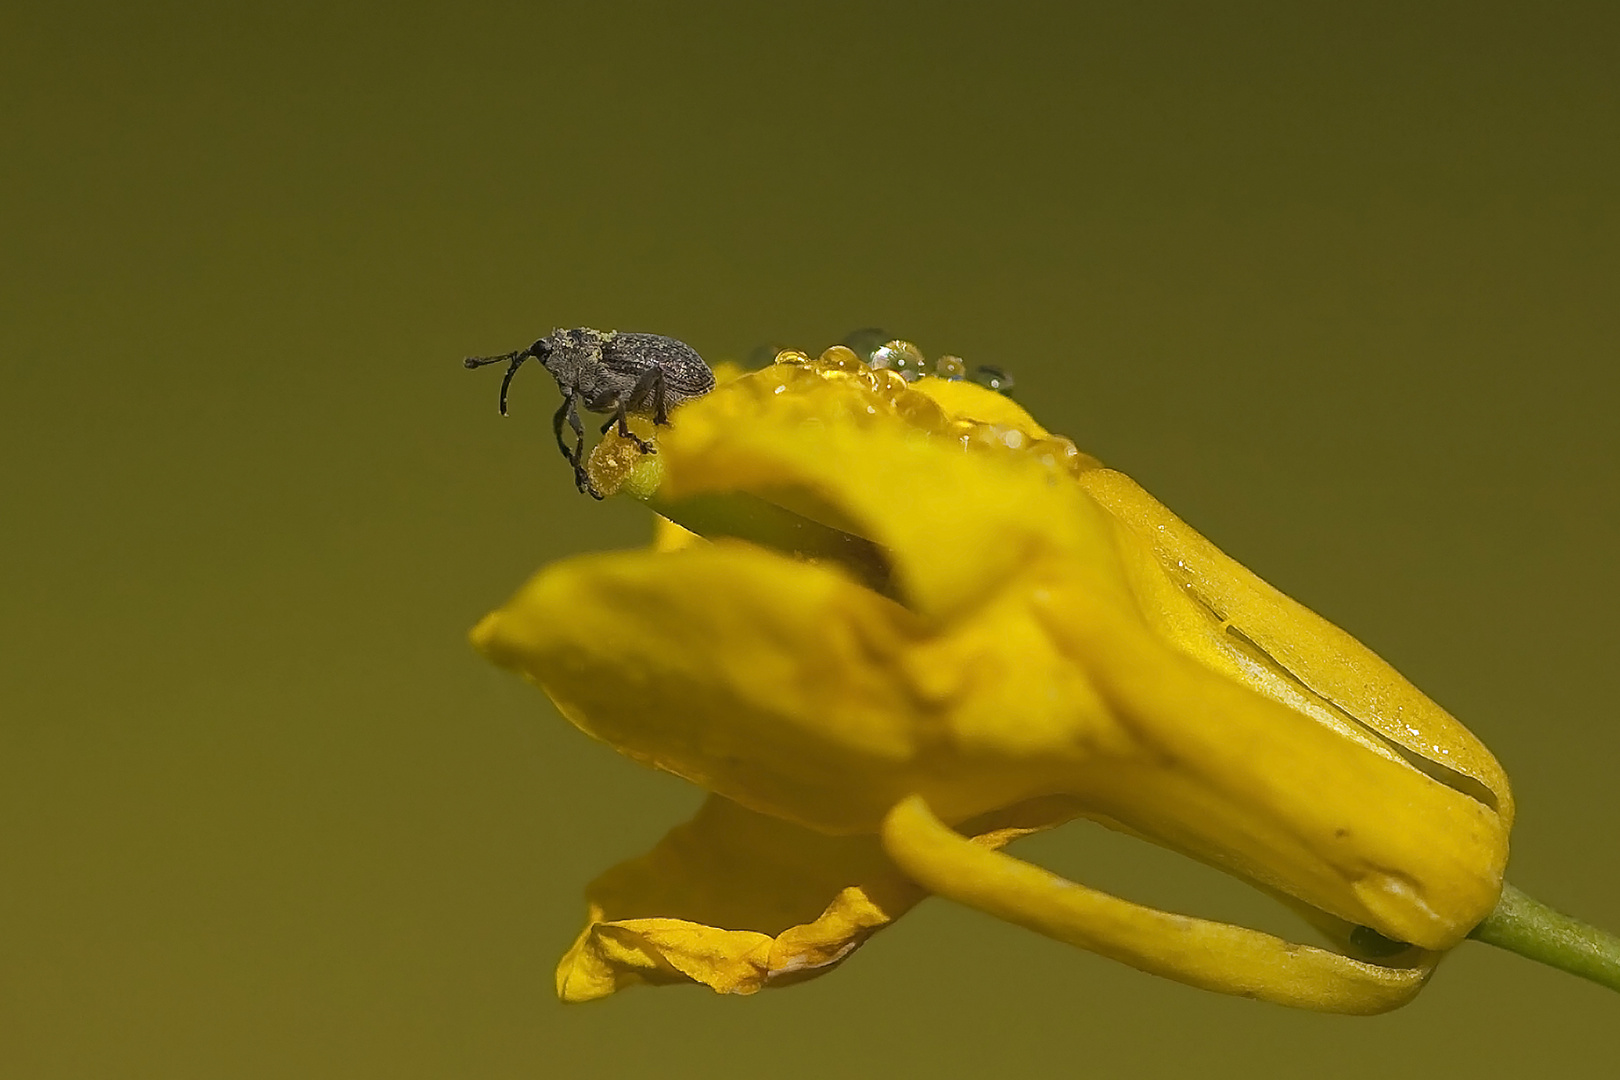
pixel 609 372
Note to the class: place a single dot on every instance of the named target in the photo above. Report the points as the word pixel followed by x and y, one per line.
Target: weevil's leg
pixel 660 415
pixel 582 477
pixel 651 385
pixel 621 417
pixel 569 412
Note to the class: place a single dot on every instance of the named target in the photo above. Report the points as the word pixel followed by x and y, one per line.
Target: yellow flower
pixel 921 627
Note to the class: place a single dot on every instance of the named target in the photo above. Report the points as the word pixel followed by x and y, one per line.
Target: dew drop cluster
pixel 880 383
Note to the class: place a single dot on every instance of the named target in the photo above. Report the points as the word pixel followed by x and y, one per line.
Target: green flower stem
pixel 1531 928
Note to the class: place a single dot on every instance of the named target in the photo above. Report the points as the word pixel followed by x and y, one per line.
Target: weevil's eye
pixel 950 367
pixel 903 357
pixel 865 342
pixel 994 378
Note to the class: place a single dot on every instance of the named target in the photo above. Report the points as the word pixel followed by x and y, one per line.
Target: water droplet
pixel 791 356
pixel 981 434
pixel 839 358
pixel 992 377
pixel 872 380
pixel 1057 452
pixel 863 343
pixel 950 367
pixel 901 356
pixel 921 411
pixel 890 383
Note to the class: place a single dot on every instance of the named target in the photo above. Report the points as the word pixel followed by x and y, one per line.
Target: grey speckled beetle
pixel 609 372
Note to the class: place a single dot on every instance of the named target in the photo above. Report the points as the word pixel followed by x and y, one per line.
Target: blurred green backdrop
pixel 1338 283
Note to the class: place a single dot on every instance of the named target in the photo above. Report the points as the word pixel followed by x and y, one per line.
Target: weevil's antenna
pixel 515 359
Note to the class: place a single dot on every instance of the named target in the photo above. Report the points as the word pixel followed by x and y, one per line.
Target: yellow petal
pixel 1233 777
pixel 738 901
pixel 751 675
pixel 1212 956
pixel 963 400
pixel 792 690
pixel 1311 653
pixel 957 525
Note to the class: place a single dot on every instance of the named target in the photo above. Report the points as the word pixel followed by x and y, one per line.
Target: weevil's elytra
pixel 609 372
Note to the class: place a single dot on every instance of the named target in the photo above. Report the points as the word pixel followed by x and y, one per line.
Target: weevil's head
pixel 546 347
pixel 573 357
pixel 567 354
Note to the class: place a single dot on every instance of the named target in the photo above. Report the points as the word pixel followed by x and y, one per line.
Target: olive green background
pixel 1337 282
